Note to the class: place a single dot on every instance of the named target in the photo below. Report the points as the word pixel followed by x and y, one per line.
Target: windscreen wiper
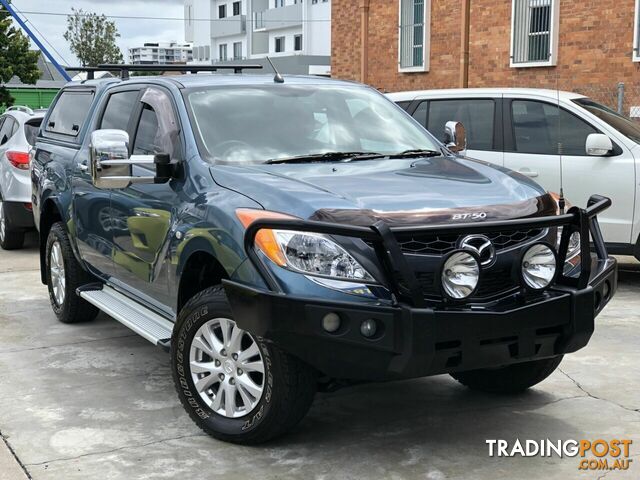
pixel 417 152
pixel 327 156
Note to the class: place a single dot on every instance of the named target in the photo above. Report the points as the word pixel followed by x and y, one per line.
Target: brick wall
pixel 595 46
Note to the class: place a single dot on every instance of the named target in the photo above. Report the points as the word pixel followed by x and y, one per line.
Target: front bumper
pixel 415 342
pixel 415 339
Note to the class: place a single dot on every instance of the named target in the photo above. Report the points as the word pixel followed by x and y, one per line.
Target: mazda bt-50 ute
pixel 289 234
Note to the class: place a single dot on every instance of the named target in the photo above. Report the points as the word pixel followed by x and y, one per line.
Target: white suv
pixel 18 129
pixel 526 130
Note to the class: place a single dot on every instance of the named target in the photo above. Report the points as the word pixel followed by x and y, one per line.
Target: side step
pixel 130 313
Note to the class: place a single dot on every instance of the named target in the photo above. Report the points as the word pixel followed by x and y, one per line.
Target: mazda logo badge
pixel 481 246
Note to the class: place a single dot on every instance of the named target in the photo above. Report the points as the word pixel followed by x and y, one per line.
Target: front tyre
pixel 234 386
pixel 510 379
pixel 64 276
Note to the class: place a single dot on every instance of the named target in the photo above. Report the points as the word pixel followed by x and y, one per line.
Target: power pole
pixel 43 49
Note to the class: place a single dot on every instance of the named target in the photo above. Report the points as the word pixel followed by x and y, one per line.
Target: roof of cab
pixel 218 79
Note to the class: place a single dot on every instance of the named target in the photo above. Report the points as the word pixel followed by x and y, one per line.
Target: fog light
pixel 331 322
pixel 460 275
pixel 368 328
pixel 539 266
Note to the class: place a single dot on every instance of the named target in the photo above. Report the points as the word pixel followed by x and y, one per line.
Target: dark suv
pixel 284 236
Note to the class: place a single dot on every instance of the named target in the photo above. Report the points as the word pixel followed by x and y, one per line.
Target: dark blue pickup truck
pixel 281 236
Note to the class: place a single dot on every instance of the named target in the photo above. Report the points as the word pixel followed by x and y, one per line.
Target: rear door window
pixel 70 112
pixel 31 130
pixel 536 126
pixel 476 114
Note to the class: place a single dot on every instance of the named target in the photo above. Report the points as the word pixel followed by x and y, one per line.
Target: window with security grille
pixel 413 34
pixel 534 32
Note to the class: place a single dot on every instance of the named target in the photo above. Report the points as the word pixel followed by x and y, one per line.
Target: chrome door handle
pixel 528 173
pixel 83 167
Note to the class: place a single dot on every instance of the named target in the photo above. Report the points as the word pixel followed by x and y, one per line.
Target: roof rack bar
pixel 90 71
pixel 124 69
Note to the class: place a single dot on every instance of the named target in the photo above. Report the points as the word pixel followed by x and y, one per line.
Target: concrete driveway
pixel 95 401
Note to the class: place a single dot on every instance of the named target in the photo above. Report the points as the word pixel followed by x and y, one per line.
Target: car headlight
pixel 572 262
pixel 317 254
pixel 460 275
pixel 309 253
pixel 539 266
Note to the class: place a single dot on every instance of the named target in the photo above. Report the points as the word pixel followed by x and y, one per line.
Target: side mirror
pixel 598 145
pixel 112 167
pixel 455 136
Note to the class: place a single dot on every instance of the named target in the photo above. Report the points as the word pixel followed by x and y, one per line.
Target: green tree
pixel 15 57
pixel 92 38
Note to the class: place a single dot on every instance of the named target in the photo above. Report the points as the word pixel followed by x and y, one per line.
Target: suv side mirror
pixel 112 167
pixel 455 136
pixel 598 145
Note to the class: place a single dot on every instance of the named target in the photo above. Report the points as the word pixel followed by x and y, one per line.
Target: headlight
pixel 538 266
pixel 572 262
pixel 317 254
pixel 310 253
pixel 460 275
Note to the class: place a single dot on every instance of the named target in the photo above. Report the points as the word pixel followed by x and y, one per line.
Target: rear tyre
pixel 64 276
pixel 236 387
pixel 10 238
pixel 511 379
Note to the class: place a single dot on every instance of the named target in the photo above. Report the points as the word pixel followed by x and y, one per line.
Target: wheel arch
pixel 198 268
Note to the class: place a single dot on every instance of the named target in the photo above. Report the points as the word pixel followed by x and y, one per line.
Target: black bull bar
pixel 399 276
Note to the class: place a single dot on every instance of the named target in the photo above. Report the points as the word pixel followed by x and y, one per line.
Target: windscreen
pixel 621 123
pixel 245 125
pixel 31 130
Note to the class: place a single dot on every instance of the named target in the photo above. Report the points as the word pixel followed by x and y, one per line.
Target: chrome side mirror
pixel 111 165
pixel 455 136
pixel 598 145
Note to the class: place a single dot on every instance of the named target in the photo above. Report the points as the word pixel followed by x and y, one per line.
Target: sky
pixel 133 31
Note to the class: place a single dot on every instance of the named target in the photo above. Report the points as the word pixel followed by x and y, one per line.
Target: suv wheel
pixel 511 379
pixel 10 239
pixel 236 387
pixel 64 276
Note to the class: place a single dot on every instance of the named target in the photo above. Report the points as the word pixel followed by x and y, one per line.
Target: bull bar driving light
pixel 460 275
pixel 539 266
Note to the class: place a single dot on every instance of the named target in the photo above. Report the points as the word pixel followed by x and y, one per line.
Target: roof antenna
pixel 561 200
pixel 278 78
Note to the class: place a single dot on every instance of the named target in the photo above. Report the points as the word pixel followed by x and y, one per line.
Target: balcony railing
pixel 276 18
pixel 224 27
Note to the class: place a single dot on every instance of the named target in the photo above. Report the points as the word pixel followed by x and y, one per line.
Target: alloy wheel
pixel 227 368
pixel 56 269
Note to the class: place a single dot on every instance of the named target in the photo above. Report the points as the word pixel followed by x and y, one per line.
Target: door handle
pixel 528 173
pixel 83 167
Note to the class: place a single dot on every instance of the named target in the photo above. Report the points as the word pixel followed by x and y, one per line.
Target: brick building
pixel 586 46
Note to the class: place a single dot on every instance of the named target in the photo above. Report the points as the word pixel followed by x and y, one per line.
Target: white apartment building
pixel 161 52
pixel 296 34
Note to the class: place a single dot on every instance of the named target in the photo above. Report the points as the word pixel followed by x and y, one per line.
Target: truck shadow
pixel 428 417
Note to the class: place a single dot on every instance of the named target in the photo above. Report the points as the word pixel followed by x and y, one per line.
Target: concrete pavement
pixel 96 401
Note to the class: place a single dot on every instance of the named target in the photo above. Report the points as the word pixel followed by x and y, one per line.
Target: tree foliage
pixel 92 38
pixel 15 57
